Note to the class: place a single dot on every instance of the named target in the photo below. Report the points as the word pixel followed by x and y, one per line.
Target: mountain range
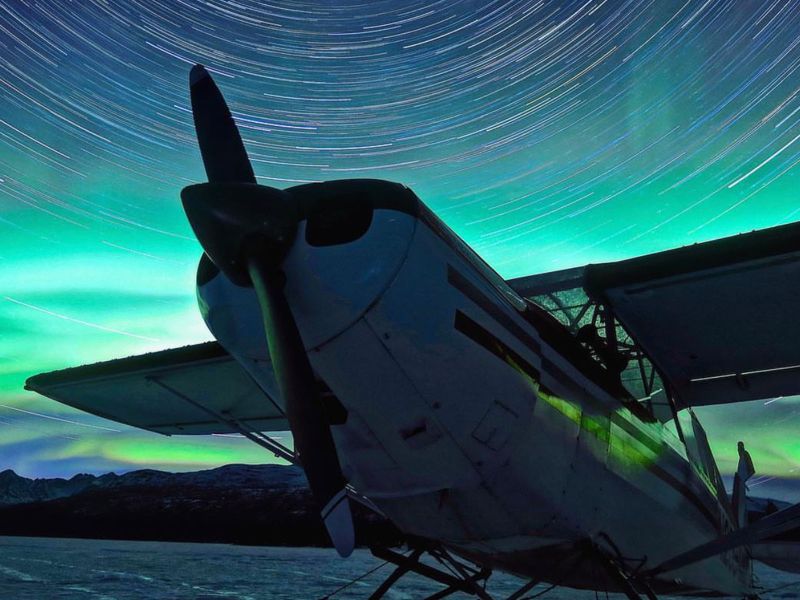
pixel 15 489
pixel 244 504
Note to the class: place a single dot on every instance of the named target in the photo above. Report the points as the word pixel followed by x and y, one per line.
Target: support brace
pixel 467 579
pixel 260 438
pixel 630 587
pixel 462 577
pixel 263 440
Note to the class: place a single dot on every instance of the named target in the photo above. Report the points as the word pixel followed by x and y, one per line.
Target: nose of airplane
pixel 248 231
pixel 351 244
pixel 352 238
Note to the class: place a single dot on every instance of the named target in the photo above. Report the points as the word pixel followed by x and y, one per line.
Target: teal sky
pixel 547 134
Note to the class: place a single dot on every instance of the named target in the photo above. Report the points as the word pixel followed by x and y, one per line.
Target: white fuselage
pixel 466 425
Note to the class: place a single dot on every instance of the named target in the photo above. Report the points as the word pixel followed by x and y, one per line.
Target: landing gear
pixel 633 588
pixel 460 578
pixel 457 574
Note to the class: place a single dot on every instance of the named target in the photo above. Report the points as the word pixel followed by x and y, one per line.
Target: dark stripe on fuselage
pixel 458 281
pixel 471 291
pixel 462 284
pixel 687 493
pixel 487 340
pixel 549 329
pixel 498 348
pixel 655 445
pixel 705 499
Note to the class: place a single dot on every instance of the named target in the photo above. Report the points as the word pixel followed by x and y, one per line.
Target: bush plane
pixel 529 426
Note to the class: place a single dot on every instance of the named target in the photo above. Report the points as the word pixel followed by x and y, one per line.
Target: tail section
pixel 744 471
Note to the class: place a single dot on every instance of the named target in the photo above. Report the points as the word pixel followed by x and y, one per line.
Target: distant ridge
pixel 19 490
pixel 243 504
pixel 15 489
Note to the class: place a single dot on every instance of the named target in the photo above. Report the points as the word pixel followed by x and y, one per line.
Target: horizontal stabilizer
pixel 197 389
pixel 768 527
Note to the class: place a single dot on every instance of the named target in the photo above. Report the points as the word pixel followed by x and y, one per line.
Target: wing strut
pixel 461 577
pixel 263 440
pixel 767 527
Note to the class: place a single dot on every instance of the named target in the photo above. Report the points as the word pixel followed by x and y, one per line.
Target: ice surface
pixel 60 569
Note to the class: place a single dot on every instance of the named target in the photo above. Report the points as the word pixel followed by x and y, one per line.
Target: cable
pixel 348 584
pixel 780 587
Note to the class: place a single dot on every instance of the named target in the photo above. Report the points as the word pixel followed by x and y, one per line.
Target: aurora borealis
pixel 547 134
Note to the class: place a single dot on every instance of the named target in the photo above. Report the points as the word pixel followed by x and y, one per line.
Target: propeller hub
pixel 237 221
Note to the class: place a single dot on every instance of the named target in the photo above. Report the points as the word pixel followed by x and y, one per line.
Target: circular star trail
pixel 547 134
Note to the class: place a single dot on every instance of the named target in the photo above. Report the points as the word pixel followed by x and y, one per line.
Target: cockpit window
pixel 610 345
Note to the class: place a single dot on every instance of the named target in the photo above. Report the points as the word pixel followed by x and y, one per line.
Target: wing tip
pixel 32 383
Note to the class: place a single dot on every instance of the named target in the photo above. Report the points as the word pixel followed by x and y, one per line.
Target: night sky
pixel 547 134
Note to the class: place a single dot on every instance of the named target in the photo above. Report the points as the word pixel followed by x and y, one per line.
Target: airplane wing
pixel 197 389
pixel 717 319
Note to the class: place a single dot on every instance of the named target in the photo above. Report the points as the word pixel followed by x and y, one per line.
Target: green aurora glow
pixel 547 136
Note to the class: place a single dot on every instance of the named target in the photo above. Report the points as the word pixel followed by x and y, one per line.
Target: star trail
pixel 547 134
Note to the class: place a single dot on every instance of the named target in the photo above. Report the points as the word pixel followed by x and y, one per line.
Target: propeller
pixel 246 230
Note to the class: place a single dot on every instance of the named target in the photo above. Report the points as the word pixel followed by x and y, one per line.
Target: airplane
pixel 541 426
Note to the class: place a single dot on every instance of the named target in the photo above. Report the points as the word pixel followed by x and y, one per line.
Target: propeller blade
pixel 310 428
pixel 221 145
pixel 246 230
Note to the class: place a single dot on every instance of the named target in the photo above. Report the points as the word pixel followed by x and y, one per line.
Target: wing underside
pixel 717 319
pixel 197 389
